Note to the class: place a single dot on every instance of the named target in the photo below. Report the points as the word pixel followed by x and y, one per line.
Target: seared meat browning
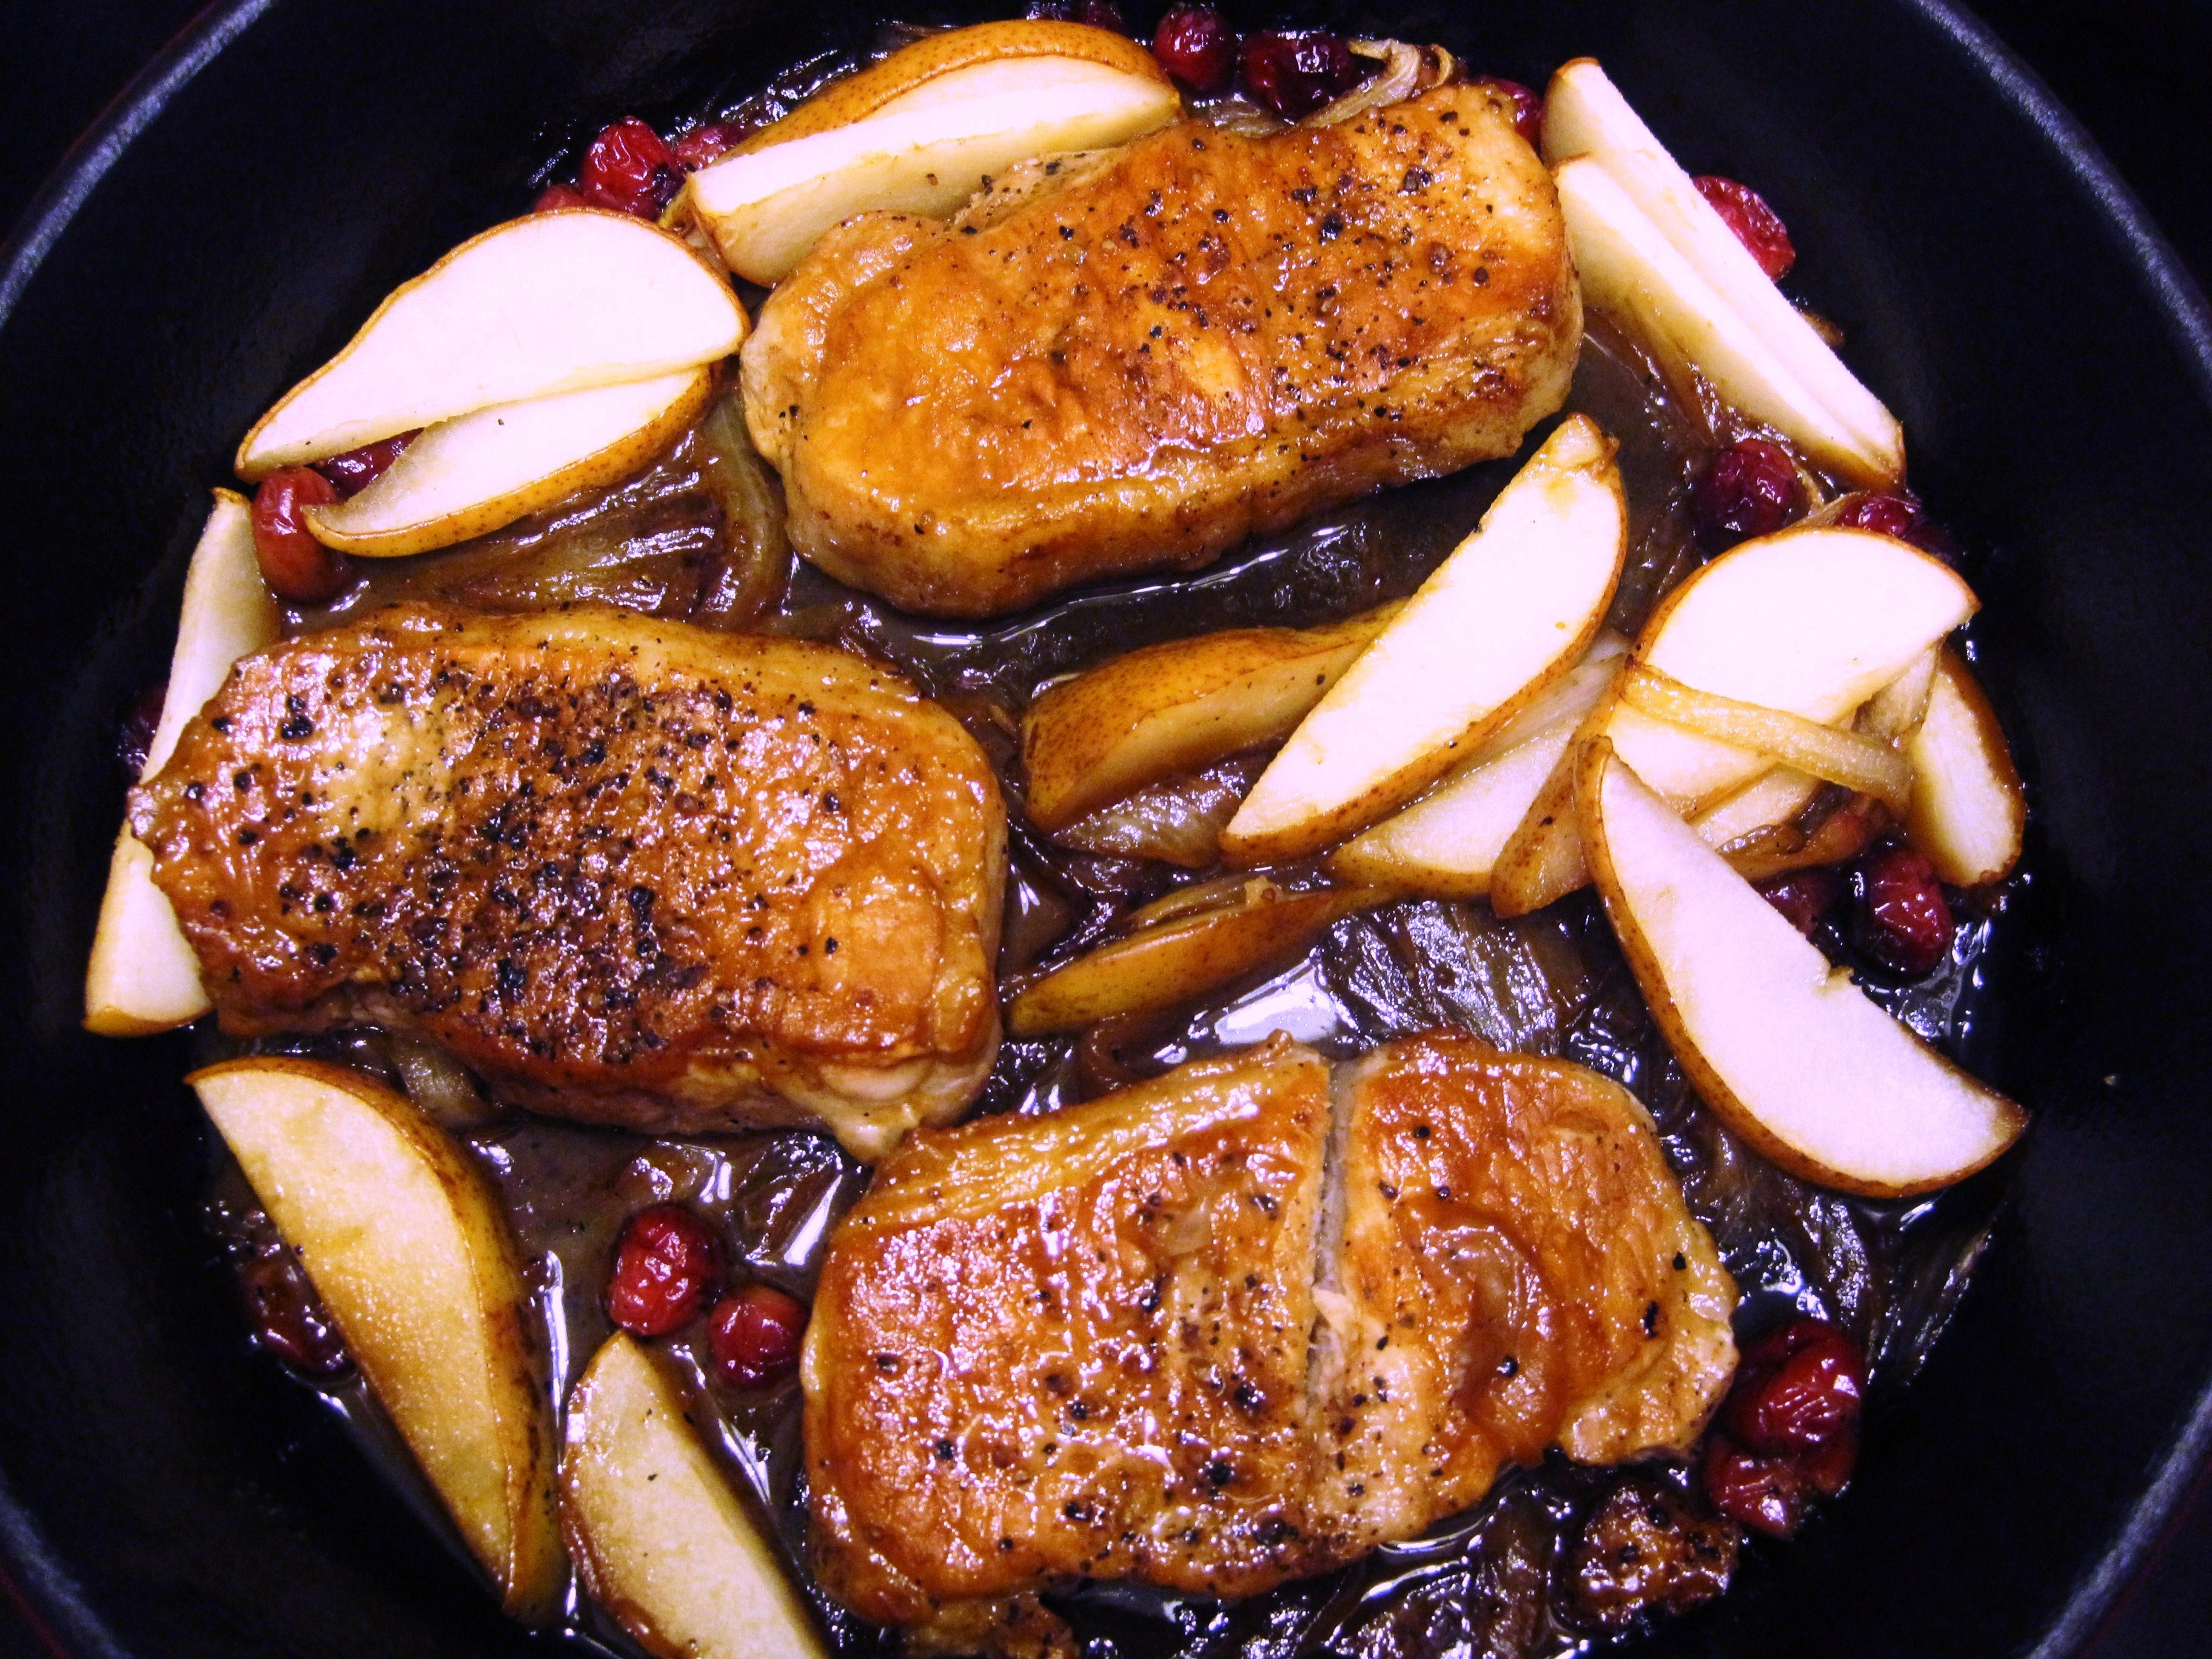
pixel 1091 1345
pixel 633 872
pixel 1154 354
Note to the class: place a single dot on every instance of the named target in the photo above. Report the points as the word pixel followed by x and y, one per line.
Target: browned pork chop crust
pixel 631 870
pixel 1091 1345
pixel 1202 336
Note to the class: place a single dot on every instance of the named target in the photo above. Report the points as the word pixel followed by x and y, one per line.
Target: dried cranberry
pixel 1751 489
pixel 1294 72
pixel 1804 896
pixel 1904 920
pixel 1900 516
pixel 629 169
pixel 1796 1388
pixel 1528 108
pixel 754 1335
pixel 293 563
pixel 1196 45
pixel 134 732
pixel 709 142
pixel 554 198
pixel 1098 14
pixel 357 469
pixel 289 1319
pixel 1756 225
pixel 667 1268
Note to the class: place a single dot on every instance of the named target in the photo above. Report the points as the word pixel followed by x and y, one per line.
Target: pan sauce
pixel 695 536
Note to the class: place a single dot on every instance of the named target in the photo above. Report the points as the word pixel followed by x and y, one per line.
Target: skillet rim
pixel 38 1582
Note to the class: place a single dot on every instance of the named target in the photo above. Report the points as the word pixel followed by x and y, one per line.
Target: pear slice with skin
pixel 1178 707
pixel 408 1249
pixel 1969 810
pixel 478 473
pixel 143 976
pixel 926 152
pixel 1513 607
pixel 1789 1053
pixel 550 303
pixel 1831 414
pixel 1446 844
pixel 661 1539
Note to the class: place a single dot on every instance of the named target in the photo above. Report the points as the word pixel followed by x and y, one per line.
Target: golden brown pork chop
pixel 1091 1345
pixel 631 870
pixel 1202 336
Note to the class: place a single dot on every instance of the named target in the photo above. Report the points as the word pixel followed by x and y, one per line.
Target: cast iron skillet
pixel 163 1492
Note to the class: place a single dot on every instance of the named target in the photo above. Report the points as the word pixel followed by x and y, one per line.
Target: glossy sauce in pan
pixel 696 536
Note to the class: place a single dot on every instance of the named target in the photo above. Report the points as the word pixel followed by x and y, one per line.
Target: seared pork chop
pixel 1156 354
pixel 630 871
pixel 1139 1338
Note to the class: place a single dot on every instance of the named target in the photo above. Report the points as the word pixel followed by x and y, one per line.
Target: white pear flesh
pixel 143 976
pixel 659 1537
pixel 1969 810
pixel 550 303
pixel 478 473
pixel 1783 1046
pixel 1513 607
pixel 926 152
pixel 1794 377
pixel 406 1246
pixel 1446 844
pixel 1812 621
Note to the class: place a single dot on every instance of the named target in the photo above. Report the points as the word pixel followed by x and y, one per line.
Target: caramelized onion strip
pixel 1852 759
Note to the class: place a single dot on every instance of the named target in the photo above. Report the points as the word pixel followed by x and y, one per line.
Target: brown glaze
pixel 630 871
pixel 1140 361
pixel 1093 1344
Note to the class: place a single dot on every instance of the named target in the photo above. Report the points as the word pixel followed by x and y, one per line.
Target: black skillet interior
pixel 162 1490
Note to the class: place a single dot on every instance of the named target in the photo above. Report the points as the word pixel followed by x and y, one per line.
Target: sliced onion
pixel 1857 761
pixel 1406 70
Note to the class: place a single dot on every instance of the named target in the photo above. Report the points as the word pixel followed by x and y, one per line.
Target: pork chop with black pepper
pixel 1139 359
pixel 630 871
pixel 1241 1324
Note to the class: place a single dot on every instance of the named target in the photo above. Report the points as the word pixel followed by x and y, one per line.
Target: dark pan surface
pixel 164 1493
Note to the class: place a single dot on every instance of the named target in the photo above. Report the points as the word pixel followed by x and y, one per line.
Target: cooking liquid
pixel 676 541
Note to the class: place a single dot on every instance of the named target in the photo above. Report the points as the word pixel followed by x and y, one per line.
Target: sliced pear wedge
pixel 1514 607
pixel 1811 622
pixel 1789 1053
pixel 1180 948
pixel 951 65
pixel 926 150
pixel 1178 707
pixel 1447 844
pixel 551 303
pixel 405 1245
pixel 143 976
pixel 477 473
pixel 1969 810
pixel 659 1537
pixel 1653 249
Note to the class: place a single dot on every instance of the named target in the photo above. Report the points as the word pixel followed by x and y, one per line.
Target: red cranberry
pixel 1905 920
pixel 1773 1495
pixel 754 1335
pixel 1528 108
pixel 357 469
pixel 667 1268
pixel 708 142
pixel 289 1319
pixel 554 198
pixel 134 734
pixel 629 169
pixel 1197 47
pixel 1751 489
pixel 1900 516
pixel 1098 14
pixel 1804 896
pixel 1756 225
pixel 1294 72
pixel 293 563
pixel 1796 1389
